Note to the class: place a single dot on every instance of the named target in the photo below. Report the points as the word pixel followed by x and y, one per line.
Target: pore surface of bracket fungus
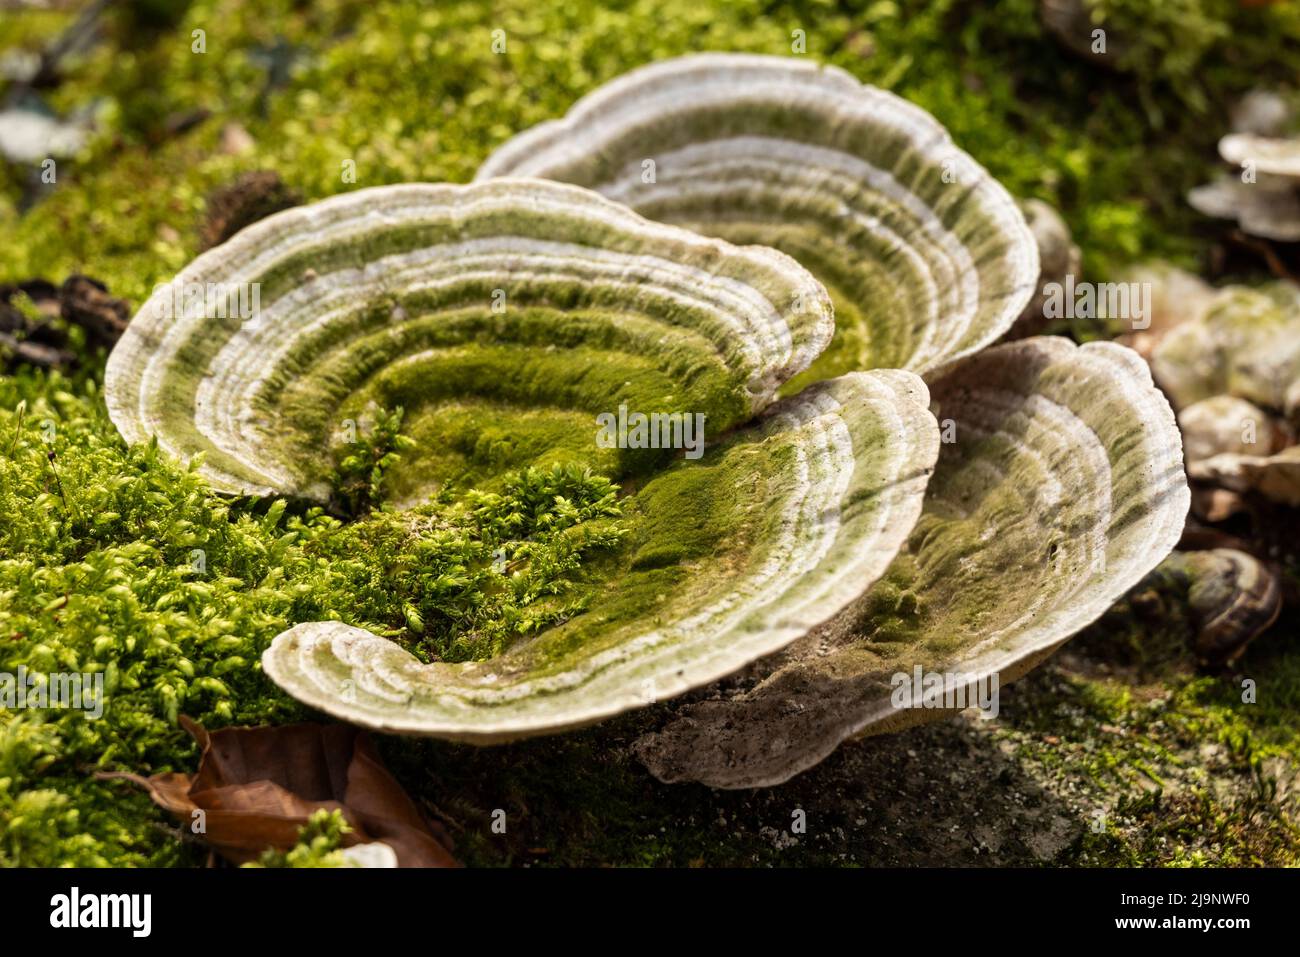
pixel 387 295
pixel 925 255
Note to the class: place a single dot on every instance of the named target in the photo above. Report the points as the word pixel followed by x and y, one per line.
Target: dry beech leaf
pixel 258 786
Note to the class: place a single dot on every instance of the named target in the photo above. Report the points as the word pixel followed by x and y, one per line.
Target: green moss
pixel 119 562
pixel 95 549
pixel 694 513
pixel 318 844
pixel 361 472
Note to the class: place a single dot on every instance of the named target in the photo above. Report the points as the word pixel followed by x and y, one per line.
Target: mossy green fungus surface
pixel 727 559
pixel 925 255
pixel 1059 485
pixel 506 319
pixel 525 307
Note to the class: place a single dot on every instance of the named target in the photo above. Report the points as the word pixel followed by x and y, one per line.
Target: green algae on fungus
pixel 785 523
pixel 496 300
pixel 475 308
pixel 925 255
pixel 1063 485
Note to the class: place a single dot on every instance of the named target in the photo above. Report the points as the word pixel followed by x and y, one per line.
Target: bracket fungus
pixel 518 300
pixel 843 540
pixel 1262 191
pixel 832 480
pixel 387 294
pixel 1063 487
pixel 1062 484
pixel 925 255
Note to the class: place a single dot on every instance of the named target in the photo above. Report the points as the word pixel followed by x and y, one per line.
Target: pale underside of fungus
pixel 1060 480
pixel 388 295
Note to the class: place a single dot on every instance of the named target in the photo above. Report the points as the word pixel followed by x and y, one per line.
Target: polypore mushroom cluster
pixel 919 499
pixel 1230 365
pixel 1229 361
pixel 1262 190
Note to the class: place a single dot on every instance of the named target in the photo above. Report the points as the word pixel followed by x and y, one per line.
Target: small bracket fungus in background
pixel 1262 190
pixel 925 255
pixel 1231 367
pixel 387 295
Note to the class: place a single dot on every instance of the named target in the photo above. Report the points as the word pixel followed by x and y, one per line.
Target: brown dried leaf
pixel 258 786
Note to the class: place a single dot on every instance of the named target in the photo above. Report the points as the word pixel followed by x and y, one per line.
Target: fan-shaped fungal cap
pixel 1062 486
pixel 1262 208
pixel 530 301
pixel 388 294
pixel 925 255
pixel 1058 257
pixel 1270 155
pixel 829 484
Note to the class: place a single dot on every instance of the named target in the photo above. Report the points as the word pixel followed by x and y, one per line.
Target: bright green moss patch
pixel 319 844
pixel 460 580
pixel 485 394
pixel 359 478
pixel 120 562
pixel 691 515
pixel 1176 773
